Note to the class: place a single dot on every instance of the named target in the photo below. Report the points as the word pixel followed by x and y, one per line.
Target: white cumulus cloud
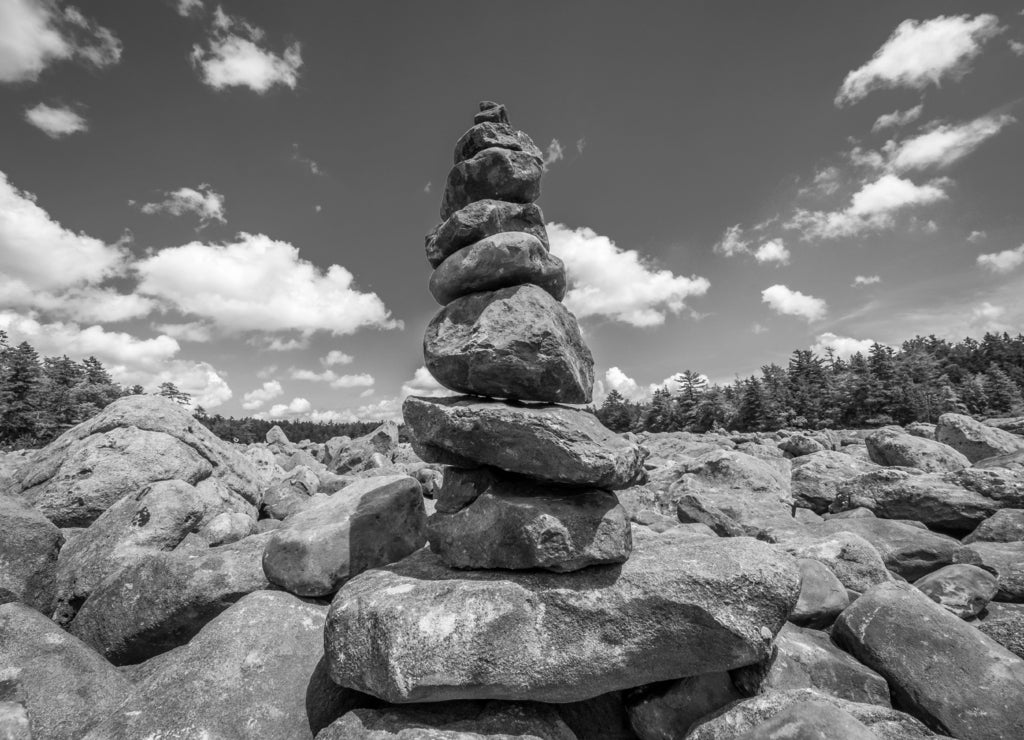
pixel 203 201
pixel 773 251
pixel 862 280
pixel 336 357
pixel 190 331
pixel 944 144
pixel 423 383
pixel 897 118
pixel 360 380
pixel 732 242
pixel 233 57
pixel 789 302
pixel 977 236
pixel 843 347
pixel 188 7
pixel 1005 261
pixel 55 121
pixel 267 392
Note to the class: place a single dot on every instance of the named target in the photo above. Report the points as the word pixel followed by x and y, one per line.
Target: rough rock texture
pixel 517 523
pixel 256 671
pixel 1006 525
pixel 1004 623
pixel 480 220
pixel 368 523
pixel 227 527
pixel 14 721
pixel 499 261
pixel 798 445
pixel 810 720
pixel 822 595
pixel 816 477
pixel 358 454
pixel 964 590
pixel 502 174
pixel 854 560
pixel 947 673
pixel 66 687
pixel 889 446
pixel 416 631
pixel 1012 424
pixel 134 441
pixel 602 716
pixel 907 550
pixel 290 494
pixel 668 709
pixel 29 546
pixel 550 443
pixel 921 429
pixel 464 720
pixel 516 343
pixel 1005 559
pixel 742 716
pixel 161 599
pixel 976 440
pixel 485 135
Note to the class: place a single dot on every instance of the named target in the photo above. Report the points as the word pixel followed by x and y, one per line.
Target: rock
pixel 854 560
pixel 497 173
pixel 744 716
pixel 807 659
pixel 696 509
pixel 499 261
pixel 817 476
pixel 14 722
pixel 963 590
pixel 907 550
pixel 669 709
pixel 367 524
pixel 66 687
pixel 276 436
pixel 974 439
pixel 1012 424
pixel 228 527
pixel 810 720
pixel 921 429
pixel 889 446
pixel 516 343
pixel 256 671
pixel 482 219
pixel 463 720
pixel 1004 623
pixel 857 452
pixel 822 595
pixel 263 461
pixel 291 493
pixel 551 443
pixel 135 441
pixel 798 445
pixel 160 600
pixel 660 523
pixel 973 691
pixel 486 135
pixel 602 717
pixel 858 513
pixel 517 523
pixel 358 453
pixel 28 554
pixel 416 631
pixel 806 516
pixel 1005 559
pixel 1006 525
pixel 304 458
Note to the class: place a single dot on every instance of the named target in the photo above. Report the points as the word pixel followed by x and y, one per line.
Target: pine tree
pixel 1002 394
pixel 751 414
pixel 614 413
pixel 21 380
pixel 170 390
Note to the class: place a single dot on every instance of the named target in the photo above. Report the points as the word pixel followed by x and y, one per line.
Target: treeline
pixel 924 378
pixel 248 430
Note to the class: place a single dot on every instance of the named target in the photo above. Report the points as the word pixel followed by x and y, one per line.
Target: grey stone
pixel 1004 623
pixel 854 560
pixel 1006 525
pixel 482 219
pixel 810 720
pixel 976 440
pixel 889 446
pixel 963 590
pixel 669 709
pixel 497 173
pixel 29 548
pixel 907 550
pixel 486 135
pixel 816 477
pixel 358 454
pixel 1005 559
pixel 798 445
pixel 822 595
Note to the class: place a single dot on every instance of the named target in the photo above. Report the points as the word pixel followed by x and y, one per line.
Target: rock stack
pixel 533 587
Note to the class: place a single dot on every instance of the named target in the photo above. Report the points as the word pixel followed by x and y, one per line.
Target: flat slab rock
pixel 547 442
pixel 416 631
pixel 480 220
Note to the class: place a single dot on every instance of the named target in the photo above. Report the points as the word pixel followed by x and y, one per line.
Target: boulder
pixel 909 551
pixel 227 527
pixel 976 440
pixel 14 722
pixel 816 477
pixel 1005 559
pixel 29 549
pixel 798 445
pixel 263 461
pixel 603 716
pixel 276 436
pixel 416 631
pixel 854 560
pixel 489 134
pixel 358 454
pixel 256 671
pixel 366 524
pixel 135 441
pixel 1006 525
pixel 499 261
pixel 160 600
pixel 822 595
pixel 65 686
pixel 892 446
pixel 291 493
pixel 1004 623
pixel 810 720
pixel 501 174
pixel 921 429
pixel 551 443
pixel 942 670
pixel 1012 424
pixel 963 590
pixel 668 709
pixel 480 220
pixel 517 343
pixel 517 523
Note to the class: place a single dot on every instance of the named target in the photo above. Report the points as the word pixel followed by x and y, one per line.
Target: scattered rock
pixel 290 494
pixel 1005 559
pixel 28 554
pixel 810 720
pixel 963 590
pixel 816 477
pixel 889 446
pixel 822 595
pixel 976 440
pixel 798 445
pixel 480 220
pixel 1004 623
pixel 908 550
pixel 1006 525
pixel 228 527
pixel 359 453
pixel 921 429
pixel 854 560
pixel 276 436
pixel 668 709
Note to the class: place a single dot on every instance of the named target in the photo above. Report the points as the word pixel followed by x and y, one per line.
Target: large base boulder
pixel 29 549
pixel 452 721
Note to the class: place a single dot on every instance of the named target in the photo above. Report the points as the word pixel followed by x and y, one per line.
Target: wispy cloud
pixel 1002 262
pixel 233 57
pixel 55 122
pixel 202 201
pixel 897 118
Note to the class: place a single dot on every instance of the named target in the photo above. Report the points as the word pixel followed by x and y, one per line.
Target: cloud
pixel 1002 262
pixel 944 144
pixel 759 328
pixel 616 380
pixel 361 380
pixel 873 207
pixel 423 383
pixel 203 201
pixel 259 284
pixel 35 34
pixel 311 164
pixel 862 280
pixel 192 331
pixel 190 7
pixel 233 57
pixel 336 357
pixel 606 280
pixel 843 347
pixel 581 144
pixel 554 153
pixel 267 392
pixel 426 188
pixel 782 300
pixel 773 251
pixel 921 53
pixel 732 242
pixel 55 122
pixel 295 407
pixel 199 379
pixel 1017 48
pixel 826 182
pixel 897 118
pixel 977 236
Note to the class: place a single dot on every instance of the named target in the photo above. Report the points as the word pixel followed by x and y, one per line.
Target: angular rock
pixel 854 560
pixel 517 523
pixel 921 429
pixel 480 220
pixel 696 509
pixel 973 691
pixel 416 631
pixel 14 722
pixel 492 112
pixel 976 440
pixel 907 550
pixel 1006 525
pixel 893 446
pixel 492 173
pixel 291 493
pixel 29 547
pixel 799 445
pixel 516 343
pixel 366 524
pixel 276 436
pixel 816 477
pixel 963 590
pixel 603 716
pixel 256 671
pixel 810 720
pixel 551 443
pixel 486 135
pixel 1005 559
pixel 822 595
pixel 499 261
pixel 1004 623
pixel 227 527
pixel 358 454
pixel 65 686
pixel 667 710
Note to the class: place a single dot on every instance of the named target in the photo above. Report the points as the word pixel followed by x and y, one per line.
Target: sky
pixel 233 196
